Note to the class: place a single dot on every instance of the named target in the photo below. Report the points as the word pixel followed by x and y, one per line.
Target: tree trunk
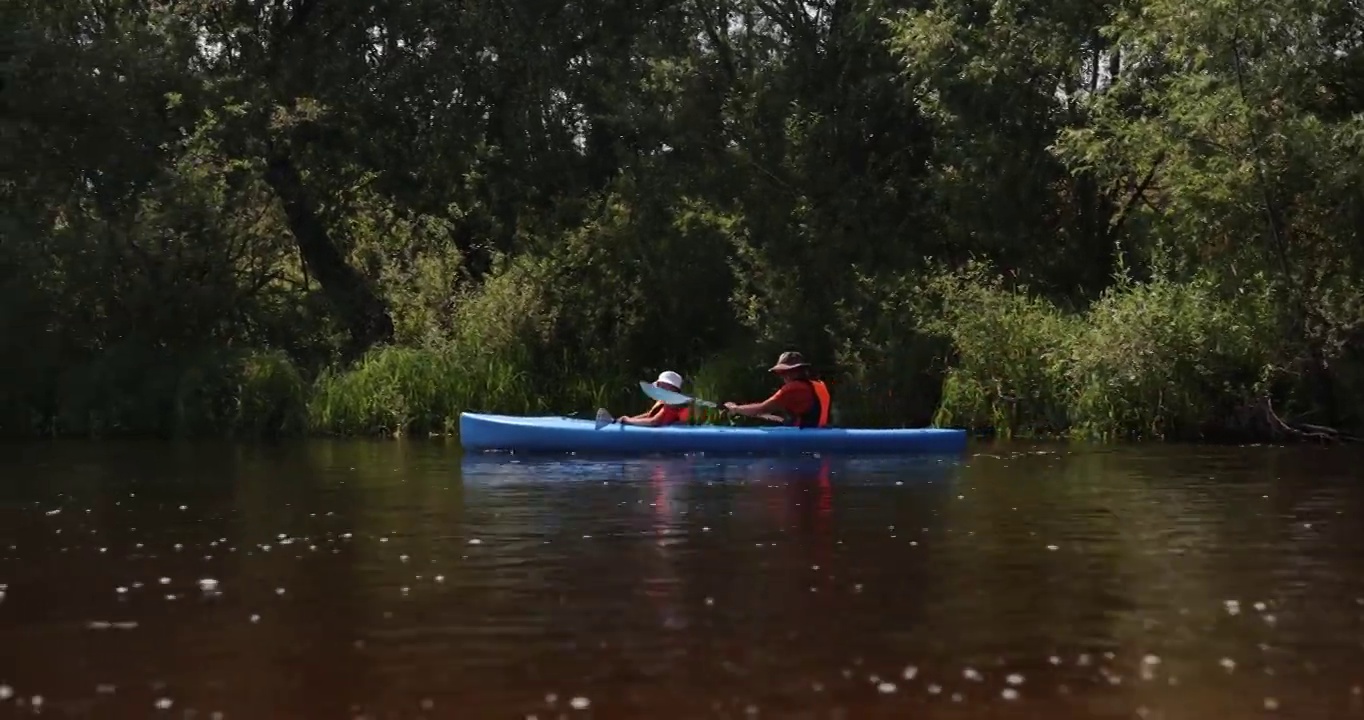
pixel 363 312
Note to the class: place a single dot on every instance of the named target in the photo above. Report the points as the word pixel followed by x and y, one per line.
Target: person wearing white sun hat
pixel 660 414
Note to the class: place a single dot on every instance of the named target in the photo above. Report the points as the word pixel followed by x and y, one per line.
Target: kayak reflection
pixel 497 469
pixel 703 543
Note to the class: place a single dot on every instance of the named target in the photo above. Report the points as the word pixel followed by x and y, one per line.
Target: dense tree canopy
pixel 1122 218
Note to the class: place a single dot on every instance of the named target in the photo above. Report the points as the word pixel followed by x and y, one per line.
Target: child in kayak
pixel 802 400
pixel 660 415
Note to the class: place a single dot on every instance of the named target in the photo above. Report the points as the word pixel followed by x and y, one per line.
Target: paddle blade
pixel 668 397
pixel 604 418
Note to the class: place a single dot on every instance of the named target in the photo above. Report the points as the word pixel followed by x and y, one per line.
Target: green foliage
pixel 1168 360
pixel 399 391
pixel 1009 352
pixel 1156 360
pixel 214 215
pixel 887 364
pixel 132 391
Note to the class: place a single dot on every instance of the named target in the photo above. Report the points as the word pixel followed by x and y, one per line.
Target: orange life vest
pixel 818 414
pixel 683 413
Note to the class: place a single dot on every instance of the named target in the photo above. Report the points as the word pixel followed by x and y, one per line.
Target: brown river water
pixel 403 580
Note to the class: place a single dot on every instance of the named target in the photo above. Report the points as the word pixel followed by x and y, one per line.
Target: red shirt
pixel 795 398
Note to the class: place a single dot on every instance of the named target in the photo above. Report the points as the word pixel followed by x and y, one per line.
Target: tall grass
pixel 398 391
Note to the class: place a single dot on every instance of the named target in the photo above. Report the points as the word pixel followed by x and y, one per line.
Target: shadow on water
pixel 383 579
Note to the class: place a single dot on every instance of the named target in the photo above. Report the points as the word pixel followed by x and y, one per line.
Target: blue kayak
pixel 560 434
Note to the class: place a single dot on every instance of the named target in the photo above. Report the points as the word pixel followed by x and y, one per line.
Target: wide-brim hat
pixel 789 361
pixel 671 378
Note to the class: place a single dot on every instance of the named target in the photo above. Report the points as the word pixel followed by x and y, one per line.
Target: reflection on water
pixel 376 579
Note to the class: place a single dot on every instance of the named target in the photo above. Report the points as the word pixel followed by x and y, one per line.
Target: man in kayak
pixel 661 414
pixel 801 401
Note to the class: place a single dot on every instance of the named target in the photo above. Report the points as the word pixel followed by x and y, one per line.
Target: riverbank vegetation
pixel 1110 220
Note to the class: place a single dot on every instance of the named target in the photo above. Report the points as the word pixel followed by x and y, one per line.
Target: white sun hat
pixel 670 377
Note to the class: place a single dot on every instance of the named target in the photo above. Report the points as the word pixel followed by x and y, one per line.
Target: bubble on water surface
pixel 1271 703
pixel 971 674
pixel 165 581
pixel 1009 694
pixel 1233 607
pixel 255 618
pixel 1228 664
pixel 208 585
pixel 6 692
pixel 106 625
pixel 1053 547
pixel 105 689
pixel 1148 667
pixel 164 703
pixel 1014 679
pixel 934 689
pixel 475 541
pixel 886 688
pixel 910 672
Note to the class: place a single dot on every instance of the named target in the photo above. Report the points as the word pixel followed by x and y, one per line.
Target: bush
pixel 495 358
pixel 1008 354
pixel 890 367
pixel 1166 359
pixel 1159 360
pixel 133 390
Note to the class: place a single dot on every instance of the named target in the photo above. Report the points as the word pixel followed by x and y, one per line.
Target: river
pixel 359 579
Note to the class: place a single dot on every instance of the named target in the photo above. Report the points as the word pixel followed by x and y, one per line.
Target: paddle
pixel 604 418
pixel 668 397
